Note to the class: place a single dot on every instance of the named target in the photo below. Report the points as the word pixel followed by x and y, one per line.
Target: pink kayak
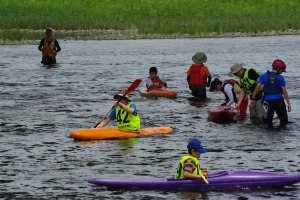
pixel 222 113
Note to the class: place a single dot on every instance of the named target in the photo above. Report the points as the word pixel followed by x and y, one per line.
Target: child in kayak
pixel 126 114
pixel 153 81
pixel 189 166
pixel 231 89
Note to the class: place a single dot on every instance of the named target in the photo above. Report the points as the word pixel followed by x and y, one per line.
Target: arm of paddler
pixel 104 123
pixel 126 108
pixel 205 171
pixel 194 176
pixel 156 86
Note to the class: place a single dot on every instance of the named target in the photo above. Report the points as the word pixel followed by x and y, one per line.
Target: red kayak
pixel 222 113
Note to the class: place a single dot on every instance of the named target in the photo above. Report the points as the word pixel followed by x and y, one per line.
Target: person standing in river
pixel 248 79
pixel 274 88
pixel 49 48
pixel 198 76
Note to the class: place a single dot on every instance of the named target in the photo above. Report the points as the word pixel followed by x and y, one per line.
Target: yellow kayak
pixel 114 133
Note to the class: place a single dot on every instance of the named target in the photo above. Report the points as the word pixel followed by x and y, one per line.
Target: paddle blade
pixel 133 86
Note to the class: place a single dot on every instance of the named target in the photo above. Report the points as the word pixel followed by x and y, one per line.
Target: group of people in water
pixel 266 93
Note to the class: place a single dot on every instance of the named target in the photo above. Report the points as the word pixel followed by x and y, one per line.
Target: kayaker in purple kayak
pixel 189 166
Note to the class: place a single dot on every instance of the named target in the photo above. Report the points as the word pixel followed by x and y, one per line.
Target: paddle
pixel 203 177
pixel 163 80
pixel 132 87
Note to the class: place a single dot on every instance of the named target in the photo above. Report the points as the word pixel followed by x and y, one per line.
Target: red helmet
pixel 280 64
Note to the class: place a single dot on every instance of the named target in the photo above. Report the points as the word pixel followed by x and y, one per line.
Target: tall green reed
pixel 195 17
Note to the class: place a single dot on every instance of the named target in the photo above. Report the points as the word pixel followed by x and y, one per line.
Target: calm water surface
pixel 41 105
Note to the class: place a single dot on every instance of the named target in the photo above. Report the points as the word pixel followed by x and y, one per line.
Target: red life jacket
pixel 232 82
pixel 156 81
pixel 195 77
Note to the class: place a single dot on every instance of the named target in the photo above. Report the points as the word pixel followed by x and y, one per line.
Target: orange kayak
pixel 160 92
pixel 114 133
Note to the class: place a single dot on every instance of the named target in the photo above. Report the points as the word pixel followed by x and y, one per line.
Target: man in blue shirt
pixel 274 88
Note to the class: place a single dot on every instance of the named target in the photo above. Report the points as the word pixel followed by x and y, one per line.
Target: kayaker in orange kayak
pixel 189 166
pixel 153 81
pixel 125 112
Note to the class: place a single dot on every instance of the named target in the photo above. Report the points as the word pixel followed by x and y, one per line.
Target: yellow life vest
pixel 48 48
pixel 180 171
pixel 127 121
pixel 247 83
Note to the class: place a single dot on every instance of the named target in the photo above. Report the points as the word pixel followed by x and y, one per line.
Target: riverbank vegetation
pixel 163 17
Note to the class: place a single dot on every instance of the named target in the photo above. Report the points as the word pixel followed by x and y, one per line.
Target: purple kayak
pixel 223 179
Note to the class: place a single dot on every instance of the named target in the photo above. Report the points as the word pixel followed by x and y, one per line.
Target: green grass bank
pixel 148 17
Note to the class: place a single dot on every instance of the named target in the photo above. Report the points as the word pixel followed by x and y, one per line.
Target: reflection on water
pixel 125 145
pixel 192 195
pixel 197 102
pixel 40 106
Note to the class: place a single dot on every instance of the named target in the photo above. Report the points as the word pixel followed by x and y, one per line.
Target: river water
pixel 41 105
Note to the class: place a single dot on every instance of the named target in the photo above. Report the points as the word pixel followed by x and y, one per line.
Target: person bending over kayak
pixel 232 89
pixel 189 166
pixel 126 114
pixel 153 81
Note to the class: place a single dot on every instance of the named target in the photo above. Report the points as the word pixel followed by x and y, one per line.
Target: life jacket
pixel 196 79
pixel 48 48
pixel 156 81
pixel 236 89
pixel 248 84
pixel 272 85
pixel 127 121
pixel 180 171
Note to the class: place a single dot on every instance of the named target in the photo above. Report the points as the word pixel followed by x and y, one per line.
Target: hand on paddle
pixel 204 174
pixel 205 171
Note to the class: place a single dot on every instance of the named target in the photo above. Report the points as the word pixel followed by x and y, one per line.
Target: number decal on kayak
pixel 119 117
